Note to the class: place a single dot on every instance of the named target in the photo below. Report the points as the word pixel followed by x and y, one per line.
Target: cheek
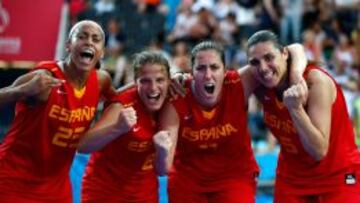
pixel 164 87
pixel 257 74
pixel 197 74
pixel 141 90
pixel 220 77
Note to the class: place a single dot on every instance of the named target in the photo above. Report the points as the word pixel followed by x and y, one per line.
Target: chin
pixel 210 102
pixel 153 108
pixel 268 84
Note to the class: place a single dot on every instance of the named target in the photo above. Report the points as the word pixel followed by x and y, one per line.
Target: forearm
pixel 96 139
pixel 248 80
pixel 298 62
pixel 164 159
pixel 10 94
pixel 314 142
pixel 161 162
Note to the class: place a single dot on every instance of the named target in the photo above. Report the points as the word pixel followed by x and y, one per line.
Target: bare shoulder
pixel 114 107
pixel 318 77
pixel 320 82
pixel 103 76
pixel 104 79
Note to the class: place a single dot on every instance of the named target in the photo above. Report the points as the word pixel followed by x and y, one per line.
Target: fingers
pixel 128 117
pixel 162 139
pixel 298 90
pixel 47 81
pixel 176 89
pixel 178 77
pixel 54 82
pixel 295 96
pixel 177 85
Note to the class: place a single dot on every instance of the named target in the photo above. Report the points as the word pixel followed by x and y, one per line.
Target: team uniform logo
pixel 350 179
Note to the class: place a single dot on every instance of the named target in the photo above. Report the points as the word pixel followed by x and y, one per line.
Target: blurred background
pixel 32 31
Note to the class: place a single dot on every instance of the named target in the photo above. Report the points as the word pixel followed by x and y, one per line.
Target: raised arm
pixel 298 63
pixel 114 122
pixel 168 123
pixel 313 123
pixel 36 84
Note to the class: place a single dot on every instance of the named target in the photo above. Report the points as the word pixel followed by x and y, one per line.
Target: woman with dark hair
pixel 318 161
pixel 214 161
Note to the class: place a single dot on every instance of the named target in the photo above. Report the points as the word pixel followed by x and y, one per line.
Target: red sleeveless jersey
pixel 124 169
pixel 297 171
pixel 214 146
pixel 38 150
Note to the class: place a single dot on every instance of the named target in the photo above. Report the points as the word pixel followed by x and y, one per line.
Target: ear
pixel 102 54
pixel 67 47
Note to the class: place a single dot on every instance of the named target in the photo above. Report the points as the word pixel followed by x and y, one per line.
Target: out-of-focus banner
pixel 29 29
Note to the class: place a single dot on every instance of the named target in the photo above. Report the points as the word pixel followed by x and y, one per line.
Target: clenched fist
pixel 162 142
pixel 295 96
pixel 127 119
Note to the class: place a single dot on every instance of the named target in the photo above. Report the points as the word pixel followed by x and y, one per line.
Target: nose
pixel 262 65
pixel 152 85
pixel 208 73
pixel 89 40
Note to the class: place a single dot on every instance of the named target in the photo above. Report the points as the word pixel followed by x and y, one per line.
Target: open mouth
pixel 267 75
pixel 154 96
pixel 209 88
pixel 87 55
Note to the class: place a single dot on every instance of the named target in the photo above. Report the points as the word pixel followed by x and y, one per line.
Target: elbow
pixel 321 153
pixel 298 46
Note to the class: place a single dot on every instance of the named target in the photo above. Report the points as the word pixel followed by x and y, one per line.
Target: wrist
pixel 161 152
pixel 297 111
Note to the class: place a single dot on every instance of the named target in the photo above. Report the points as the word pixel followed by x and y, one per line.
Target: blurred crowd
pixel 328 29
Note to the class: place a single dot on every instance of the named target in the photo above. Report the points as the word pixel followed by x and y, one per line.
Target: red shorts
pixel 345 194
pixel 117 200
pixel 95 192
pixel 242 191
pixel 6 198
pixel 103 195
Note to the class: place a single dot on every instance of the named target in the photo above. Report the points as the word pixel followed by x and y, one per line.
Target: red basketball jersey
pixel 297 171
pixel 38 150
pixel 214 145
pixel 124 169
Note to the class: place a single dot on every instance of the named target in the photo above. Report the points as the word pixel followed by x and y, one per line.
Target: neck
pixel 76 76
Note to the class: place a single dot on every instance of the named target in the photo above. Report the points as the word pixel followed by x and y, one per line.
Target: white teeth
pixel 88 51
pixel 268 75
pixel 209 85
pixel 154 95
